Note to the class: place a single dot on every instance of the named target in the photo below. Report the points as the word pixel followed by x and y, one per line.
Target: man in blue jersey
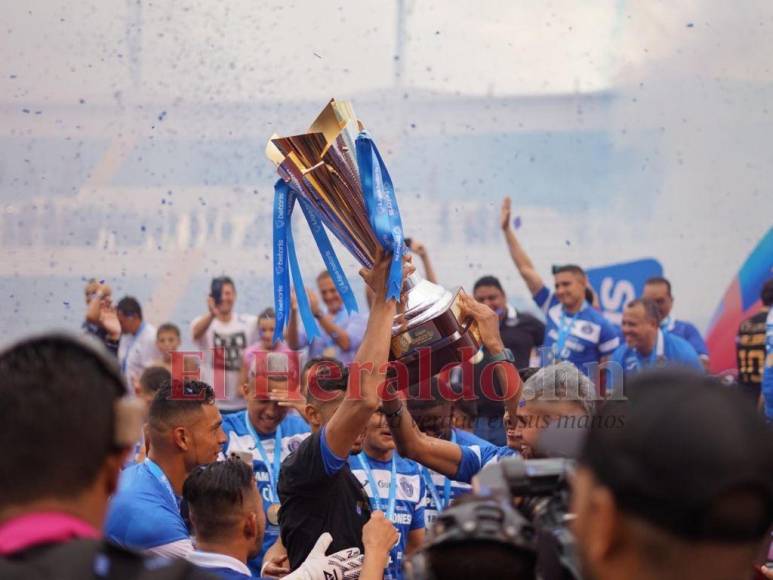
pixel 342 332
pixel 394 486
pixel 575 331
pixel 228 521
pixel 767 375
pixel 259 431
pixel 185 431
pixel 658 289
pixel 647 345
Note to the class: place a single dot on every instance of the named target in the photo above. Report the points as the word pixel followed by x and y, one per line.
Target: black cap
pixel 674 452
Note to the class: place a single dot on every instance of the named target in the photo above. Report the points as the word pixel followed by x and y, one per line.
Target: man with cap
pixel 675 482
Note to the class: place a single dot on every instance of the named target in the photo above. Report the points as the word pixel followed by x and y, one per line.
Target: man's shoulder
pixel 754 324
pixel 298 459
pixel 406 466
pixel 234 422
pixel 246 319
pixel 685 327
pixel 294 425
pixel 679 345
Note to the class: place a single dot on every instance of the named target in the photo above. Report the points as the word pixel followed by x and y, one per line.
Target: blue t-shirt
pixel 587 336
pixel 354 324
pixel 670 350
pixel 293 431
pixel 688 332
pixel 476 454
pixel 409 500
pixel 144 513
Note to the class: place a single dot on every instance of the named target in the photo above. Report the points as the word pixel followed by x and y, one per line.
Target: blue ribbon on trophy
pixel 285 255
pixel 329 256
pixel 383 212
pixel 286 262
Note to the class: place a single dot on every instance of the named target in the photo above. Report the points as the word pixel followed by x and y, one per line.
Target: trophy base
pixel 435 335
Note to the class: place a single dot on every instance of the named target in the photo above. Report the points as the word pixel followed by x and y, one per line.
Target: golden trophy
pixel 338 177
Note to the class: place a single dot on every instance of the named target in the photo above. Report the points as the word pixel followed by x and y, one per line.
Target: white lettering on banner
pixel 613 296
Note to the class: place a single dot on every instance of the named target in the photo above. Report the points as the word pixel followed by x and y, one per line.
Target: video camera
pixel 538 489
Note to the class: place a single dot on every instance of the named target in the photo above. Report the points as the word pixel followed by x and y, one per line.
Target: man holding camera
pixel 229 334
pixel 659 494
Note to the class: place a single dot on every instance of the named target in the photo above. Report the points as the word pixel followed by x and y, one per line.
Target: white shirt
pixel 136 352
pixel 233 337
pixel 213 560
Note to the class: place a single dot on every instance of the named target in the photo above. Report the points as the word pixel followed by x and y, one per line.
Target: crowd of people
pixel 252 457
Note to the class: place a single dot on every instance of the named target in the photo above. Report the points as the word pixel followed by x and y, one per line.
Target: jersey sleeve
pixel 474 458
pixel 542 298
pixel 308 470
pixel 609 339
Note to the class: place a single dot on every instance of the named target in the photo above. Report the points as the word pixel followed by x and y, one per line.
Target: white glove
pixel 343 565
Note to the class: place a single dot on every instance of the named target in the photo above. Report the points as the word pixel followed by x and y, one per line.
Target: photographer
pixel 676 483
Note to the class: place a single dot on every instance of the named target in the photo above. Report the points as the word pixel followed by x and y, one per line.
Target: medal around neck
pixel 272 514
pixel 337 176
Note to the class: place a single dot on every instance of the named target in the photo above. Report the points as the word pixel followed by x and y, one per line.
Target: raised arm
pixel 522 261
pixel 362 397
pixel 202 323
pixel 421 250
pixel 333 330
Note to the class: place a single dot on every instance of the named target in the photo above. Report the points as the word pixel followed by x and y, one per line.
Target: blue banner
pixel 382 207
pixel 618 284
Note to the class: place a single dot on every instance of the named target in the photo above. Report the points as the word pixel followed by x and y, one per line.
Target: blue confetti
pixel 517 222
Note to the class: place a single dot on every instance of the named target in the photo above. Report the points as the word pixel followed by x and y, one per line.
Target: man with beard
pixel 185 431
pixel 676 483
